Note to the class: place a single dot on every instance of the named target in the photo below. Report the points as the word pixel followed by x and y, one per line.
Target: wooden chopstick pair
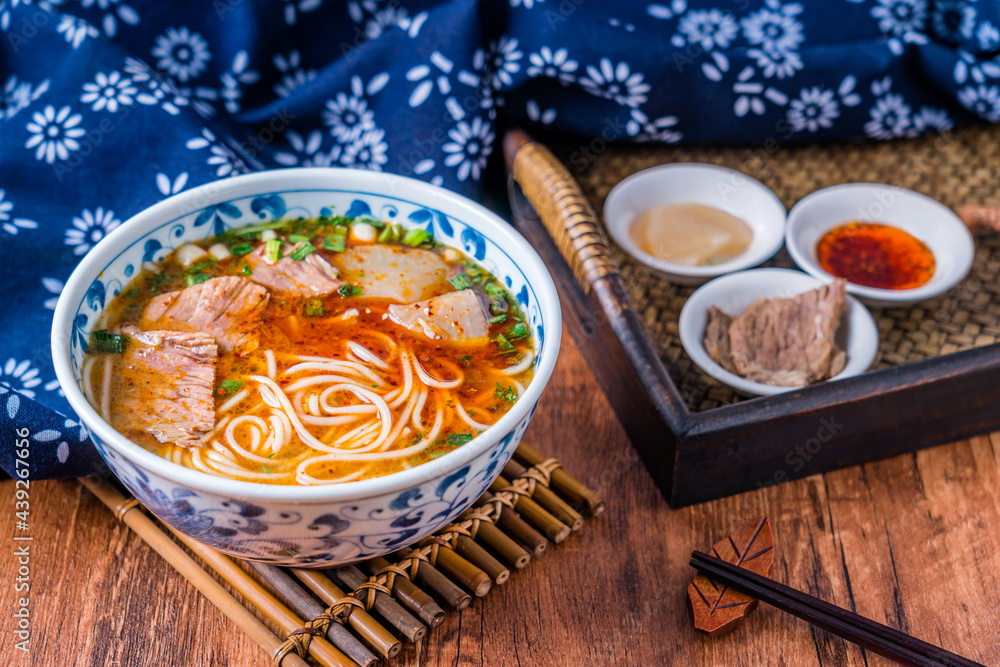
pixel 873 636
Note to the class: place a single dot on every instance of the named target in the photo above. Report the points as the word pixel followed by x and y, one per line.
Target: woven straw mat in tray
pixel 956 169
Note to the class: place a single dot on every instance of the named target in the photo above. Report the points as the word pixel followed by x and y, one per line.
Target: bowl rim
pixel 803 257
pixel 618 230
pixel 378 184
pixel 740 383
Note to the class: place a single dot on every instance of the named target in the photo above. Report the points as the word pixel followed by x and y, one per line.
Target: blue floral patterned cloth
pixel 107 106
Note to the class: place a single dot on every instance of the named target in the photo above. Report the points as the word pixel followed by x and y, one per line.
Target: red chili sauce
pixel 875 255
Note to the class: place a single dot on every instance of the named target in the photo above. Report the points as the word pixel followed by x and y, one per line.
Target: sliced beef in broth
pixel 310 276
pixel 166 386
pixel 390 272
pixel 457 316
pixel 228 308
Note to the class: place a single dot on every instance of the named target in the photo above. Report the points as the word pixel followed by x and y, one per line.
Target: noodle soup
pixel 309 352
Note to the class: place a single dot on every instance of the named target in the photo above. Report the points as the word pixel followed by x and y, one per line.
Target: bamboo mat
pixel 362 614
pixel 955 168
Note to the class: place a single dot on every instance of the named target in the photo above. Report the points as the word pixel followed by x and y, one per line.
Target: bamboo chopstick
pixel 865 632
pixel 144 527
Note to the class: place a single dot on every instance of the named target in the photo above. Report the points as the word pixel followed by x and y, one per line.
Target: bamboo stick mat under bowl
pixel 954 168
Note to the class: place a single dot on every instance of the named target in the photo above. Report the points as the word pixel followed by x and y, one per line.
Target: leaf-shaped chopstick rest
pixel 717 608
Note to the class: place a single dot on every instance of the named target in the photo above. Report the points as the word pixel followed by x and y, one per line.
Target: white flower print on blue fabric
pixel 774 62
pixel 470 146
pixel 168 187
pixel 891 115
pixel 348 115
pixel 535 113
pixel 53 286
pixel 967 67
pixel 660 129
pixel 503 61
pixel 294 76
pixel 618 23
pixel 751 96
pixel 109 91
pixel 114 11
pixel 89 228
pixel 437 75
pixel 527 4
pixel 181 53
pixel 228 157
pixel 708 28
pixel 294 7
pixel 953 20
pixel 988 36
pixel 8 222
pixel 153 89
pixel 377 17
pixel 901 21
pixel 239 75
pixel 20 376
pixel 75 30
pixel 616 82
pixel 929 118
pixel 308 151
pixel 774 27
pixel 16 95
pixel 553 65
pixel 668 11
pixel 984 101
pixel 366 152
pixel 54 133
pixel 815 108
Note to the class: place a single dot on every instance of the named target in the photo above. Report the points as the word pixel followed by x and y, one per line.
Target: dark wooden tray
pixel 708 454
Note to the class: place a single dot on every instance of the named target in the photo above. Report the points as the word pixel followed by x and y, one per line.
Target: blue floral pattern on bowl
pixel 318 530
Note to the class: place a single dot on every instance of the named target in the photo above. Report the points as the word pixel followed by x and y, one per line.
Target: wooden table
pixel 913 542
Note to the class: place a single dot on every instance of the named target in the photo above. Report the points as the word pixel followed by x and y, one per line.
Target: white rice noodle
pixel 521 366
pixel 520 388
pixel 418 410
pixel 403 419
pixel 258 427
pixel 308 438
pixel 314 404
pixel 364 354
pixel 324 402
pixel 302 478
pixel 430 381
pixel 272 365
pixel 467 419
pixel 198 463
pixel 322 379
pixel 397 397
pixel 334 365
pixel 233 471
pixel 245 453
pixel 328 421
pixel 219 425
pixel 357 434
pixel 222 450
pixel 277 438
pixel 232 402
pixel 106 391
pixel 177 456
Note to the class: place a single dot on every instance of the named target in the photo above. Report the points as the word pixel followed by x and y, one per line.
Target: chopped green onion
pixel 302 252
pixel 255 229
pixel 246 270
pixel 195 279
pixel 509 394
pixel 133 293
pixel 347 290
pixel 265 469
pixel 242 249
pixel 414 237
pixel 460 281
pixel 312 308
pixel 388 234
pixel 495 291
pixel 298 238
pixel 102 341
pixel 498 319
pixel 503 343
pixel 519 330
pixel 272 251
pixel 455 439
pixel 336 240
pixel 229 387
pixel 374 222
pixel 465 359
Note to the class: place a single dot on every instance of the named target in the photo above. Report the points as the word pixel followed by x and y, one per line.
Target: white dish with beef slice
pixel 857 335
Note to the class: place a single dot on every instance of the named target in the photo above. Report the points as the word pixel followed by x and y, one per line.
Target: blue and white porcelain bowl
pixel 309 526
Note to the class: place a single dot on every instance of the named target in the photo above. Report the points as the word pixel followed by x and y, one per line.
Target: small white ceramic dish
pixel 926 219
pixel 696 183
pixel 734 293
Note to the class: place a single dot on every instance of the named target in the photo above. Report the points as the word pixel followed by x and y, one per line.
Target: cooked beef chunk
pixel 227 308
pixel 310 276
pixel 166 387
pixel 456 316
pixel 784 342
pixel 401 274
